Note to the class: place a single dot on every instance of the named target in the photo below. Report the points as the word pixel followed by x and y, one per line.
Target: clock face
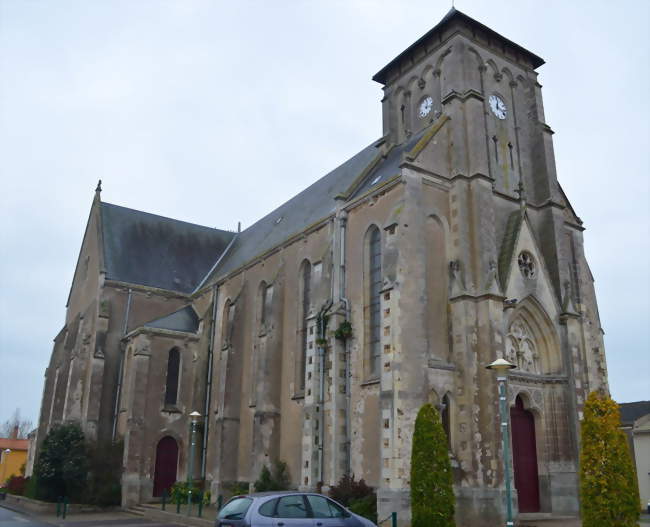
pixel 425 106
pixel 497 106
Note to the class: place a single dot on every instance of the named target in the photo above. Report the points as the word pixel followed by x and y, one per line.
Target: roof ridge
pixel 306 189
pixel 307 207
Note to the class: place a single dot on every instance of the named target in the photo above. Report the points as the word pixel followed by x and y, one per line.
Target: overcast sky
pixel 217 112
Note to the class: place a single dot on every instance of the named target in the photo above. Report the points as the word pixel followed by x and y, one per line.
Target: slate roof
pixel 314 204
pixel 630 412
pixel 382 75
pixel 185 319
pixel 147 249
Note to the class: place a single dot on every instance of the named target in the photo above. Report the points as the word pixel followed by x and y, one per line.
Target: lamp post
pixel 501 366
pixel 194 417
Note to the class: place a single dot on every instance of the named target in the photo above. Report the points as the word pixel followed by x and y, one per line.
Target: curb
pixel 158 515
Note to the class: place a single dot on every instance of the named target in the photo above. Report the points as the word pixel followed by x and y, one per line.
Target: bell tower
pixel 486 222
pixel 488 86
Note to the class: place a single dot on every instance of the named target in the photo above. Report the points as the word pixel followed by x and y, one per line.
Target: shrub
pixel 62 464
pixel 207 496
pixel 16 485
pixel 276 479
pixel 104 486
pixel 181 489
pixel 608 483
pixel 432 495
pixel 84 472
pixel 31 486
pixel 357 496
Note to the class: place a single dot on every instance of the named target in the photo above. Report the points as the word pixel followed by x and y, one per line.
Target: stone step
pixel 547 520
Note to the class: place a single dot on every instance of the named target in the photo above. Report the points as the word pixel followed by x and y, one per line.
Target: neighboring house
pixel 445 243
pixel 635 422
pixel 13 455
pixel 641 435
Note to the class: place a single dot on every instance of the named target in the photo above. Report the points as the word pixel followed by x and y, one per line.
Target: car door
pixel 326 513
pixel 292 511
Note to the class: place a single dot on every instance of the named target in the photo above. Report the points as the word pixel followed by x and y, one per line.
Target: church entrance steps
pixel 136 509
pixel 540 519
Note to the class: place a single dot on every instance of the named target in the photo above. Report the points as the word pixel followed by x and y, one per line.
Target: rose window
pixel 526 264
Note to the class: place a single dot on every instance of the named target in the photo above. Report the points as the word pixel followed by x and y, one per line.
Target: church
pixel 316 334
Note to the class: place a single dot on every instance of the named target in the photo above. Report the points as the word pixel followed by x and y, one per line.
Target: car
pixel 287 509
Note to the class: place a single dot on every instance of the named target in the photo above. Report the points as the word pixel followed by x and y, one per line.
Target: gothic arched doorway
pixel 166 464
pixel 524 457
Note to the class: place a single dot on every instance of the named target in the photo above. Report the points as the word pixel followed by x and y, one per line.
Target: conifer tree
pixel 432 495
pixel 608 484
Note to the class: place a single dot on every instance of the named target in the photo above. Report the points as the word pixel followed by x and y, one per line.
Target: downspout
pixel 346 303
pixel 322 328
pixel 208 390
pixel 116 410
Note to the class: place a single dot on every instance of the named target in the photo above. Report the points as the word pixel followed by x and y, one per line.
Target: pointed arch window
pixel 227 322
pixel 374 301
pixel 265 301
pixel 173 371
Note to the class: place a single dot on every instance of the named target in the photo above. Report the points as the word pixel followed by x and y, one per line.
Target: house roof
pixel 185 319
pixel 13 444
pixel 630 412
pixel 453 14
pixel 147 249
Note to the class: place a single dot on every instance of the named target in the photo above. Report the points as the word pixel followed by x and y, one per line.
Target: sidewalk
pixel 155 513
pixel 79 517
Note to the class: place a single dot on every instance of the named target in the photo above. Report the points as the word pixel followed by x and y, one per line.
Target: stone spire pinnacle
pixel 98 190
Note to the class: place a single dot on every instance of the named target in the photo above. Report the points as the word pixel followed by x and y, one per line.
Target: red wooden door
pixel 524 456
pixel 166 464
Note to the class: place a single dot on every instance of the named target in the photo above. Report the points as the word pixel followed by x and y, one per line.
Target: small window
pixel 235 509
pixel 292 507
pixel 268 509
pixel 445 418
pixel 266 300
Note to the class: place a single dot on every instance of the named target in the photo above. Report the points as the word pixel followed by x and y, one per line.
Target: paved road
pixel 10 518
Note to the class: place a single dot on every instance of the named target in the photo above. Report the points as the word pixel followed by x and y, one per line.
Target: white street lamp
pixel 501 366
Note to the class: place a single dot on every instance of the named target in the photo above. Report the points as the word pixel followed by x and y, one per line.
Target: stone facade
pixel 446 244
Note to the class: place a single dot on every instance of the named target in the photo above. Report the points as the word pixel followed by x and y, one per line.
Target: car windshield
pixel 235 509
